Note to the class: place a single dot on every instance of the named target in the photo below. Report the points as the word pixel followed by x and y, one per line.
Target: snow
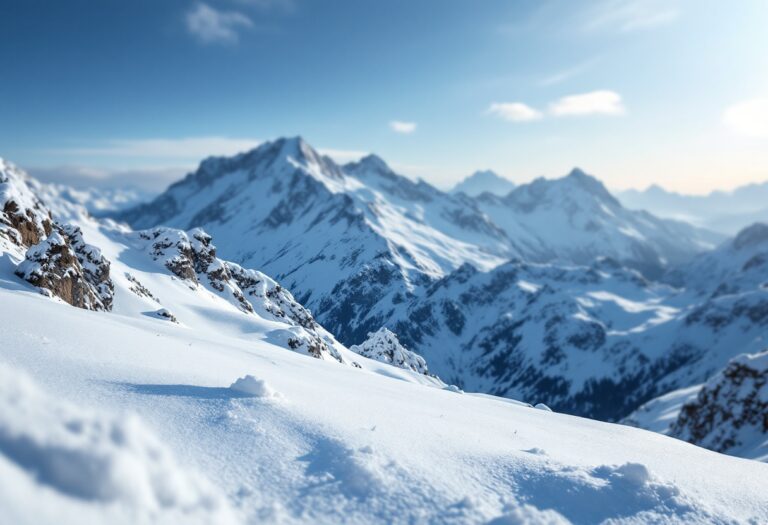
pixel 253 387
pixel 348 445
pixel 79 460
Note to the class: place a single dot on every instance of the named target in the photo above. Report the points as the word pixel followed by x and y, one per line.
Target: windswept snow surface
pixel 339 445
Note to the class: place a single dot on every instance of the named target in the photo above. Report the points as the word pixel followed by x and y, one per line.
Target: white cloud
pixel 748 118
pixel 212 26
pixel 405 128
pixel 601 102
pixel 514 111
pixel 631 15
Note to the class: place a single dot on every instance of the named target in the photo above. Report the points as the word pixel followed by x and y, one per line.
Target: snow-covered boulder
pixel 730 413
pixel 66 267
pixel 384 346
pixel 166 314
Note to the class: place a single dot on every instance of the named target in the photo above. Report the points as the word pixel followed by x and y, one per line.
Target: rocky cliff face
pixel 56 258
pixel 64 266
pixel 730 413
pixel 24 220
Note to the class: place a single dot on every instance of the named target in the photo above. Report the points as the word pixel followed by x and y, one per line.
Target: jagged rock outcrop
pixel 191 256
pixel 56 258
pixel 63 265
pixel 730 412
pixel 24 220
pixel 384 346
pixel 95 265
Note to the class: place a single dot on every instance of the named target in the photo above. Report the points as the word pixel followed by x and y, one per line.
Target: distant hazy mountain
pixel 726 212
pixel 484 181
pixel 573 219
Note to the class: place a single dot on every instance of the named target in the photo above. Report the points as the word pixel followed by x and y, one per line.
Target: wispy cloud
pixel 631 15
pixel 281 5
pixel 514 111
pixel 185 151
pixel 566 74
pixel 210 25
pixel 150 179
pixel 192 148
pixel 601 102
pixel 748 118
pixel 399 126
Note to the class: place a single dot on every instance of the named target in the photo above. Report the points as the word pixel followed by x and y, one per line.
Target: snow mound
pixel 94 459
pixel 542 406
pixel 253 387
pixel 384 346
pixel 606 493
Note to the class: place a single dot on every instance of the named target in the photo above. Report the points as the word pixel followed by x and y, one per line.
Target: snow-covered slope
pixel 575 219
pixel 162 274
pixel 483 181
pixel 315 443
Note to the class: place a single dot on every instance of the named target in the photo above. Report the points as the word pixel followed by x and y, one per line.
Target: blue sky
pixel 636 92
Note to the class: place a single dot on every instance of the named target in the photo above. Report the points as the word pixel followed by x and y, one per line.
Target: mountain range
pixel 193 386
pixel 722 211
pixel 554 293
pixel 355 241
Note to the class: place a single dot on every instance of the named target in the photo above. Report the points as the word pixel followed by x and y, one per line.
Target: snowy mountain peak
pixel 590 184
pixel 484 181
pixel 371 165
pixel 751 236
pixel 373 161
